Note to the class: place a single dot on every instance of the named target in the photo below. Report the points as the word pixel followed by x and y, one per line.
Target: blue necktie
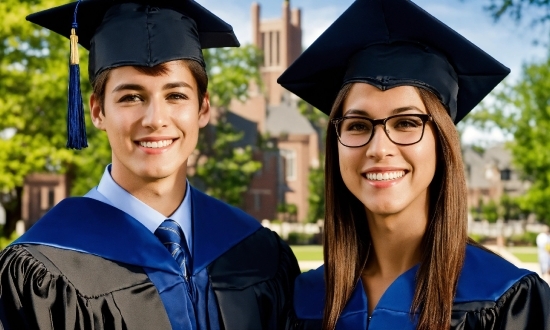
pixel 173 238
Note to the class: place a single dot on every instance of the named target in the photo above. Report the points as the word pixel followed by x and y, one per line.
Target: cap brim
pixel 213 31
pixel 317 75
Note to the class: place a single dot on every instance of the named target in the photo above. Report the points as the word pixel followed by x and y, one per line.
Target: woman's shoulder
pixel 486 276
pixel 494 292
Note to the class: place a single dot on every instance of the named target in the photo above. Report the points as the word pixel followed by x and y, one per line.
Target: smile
pixel 155 144
pixel 385 176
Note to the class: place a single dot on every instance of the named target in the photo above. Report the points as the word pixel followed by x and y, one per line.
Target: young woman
pixel 394 81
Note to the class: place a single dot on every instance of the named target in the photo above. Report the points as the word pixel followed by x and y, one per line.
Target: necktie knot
pixel 171 235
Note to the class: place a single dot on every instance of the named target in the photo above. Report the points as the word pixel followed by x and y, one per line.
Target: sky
pixel 507 41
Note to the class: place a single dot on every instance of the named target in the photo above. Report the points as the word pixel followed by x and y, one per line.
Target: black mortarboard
pixel 135 32
pixel 389 43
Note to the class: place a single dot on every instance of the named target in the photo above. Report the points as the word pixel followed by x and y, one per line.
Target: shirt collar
pixel 146 215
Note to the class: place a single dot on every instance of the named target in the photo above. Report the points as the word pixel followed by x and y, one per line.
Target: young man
pixel 144 249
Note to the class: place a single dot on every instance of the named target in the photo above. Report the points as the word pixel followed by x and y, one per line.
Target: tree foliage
pixel 316 197
pixel 523 111
pixel 224 169
pixel 34 74
pixel 517 8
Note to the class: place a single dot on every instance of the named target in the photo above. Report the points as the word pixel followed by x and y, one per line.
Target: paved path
pixel 307 265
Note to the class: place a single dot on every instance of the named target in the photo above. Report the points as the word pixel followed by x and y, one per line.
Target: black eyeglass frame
pixel 375 122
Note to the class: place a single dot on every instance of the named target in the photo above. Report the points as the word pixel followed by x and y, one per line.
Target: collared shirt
pixel 109 192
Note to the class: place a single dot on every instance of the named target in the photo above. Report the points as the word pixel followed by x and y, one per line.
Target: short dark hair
pixel 197 70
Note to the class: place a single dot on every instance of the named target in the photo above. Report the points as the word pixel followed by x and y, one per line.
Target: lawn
pixel 315 253
pixel 525 254
pixel 308 252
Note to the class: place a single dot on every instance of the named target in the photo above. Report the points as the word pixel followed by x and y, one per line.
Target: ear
pixel 204 112
pixel 95 112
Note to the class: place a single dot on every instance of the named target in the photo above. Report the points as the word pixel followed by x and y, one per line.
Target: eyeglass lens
pixel 400 129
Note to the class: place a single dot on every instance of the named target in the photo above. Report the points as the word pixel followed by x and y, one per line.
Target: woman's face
pixel 387 178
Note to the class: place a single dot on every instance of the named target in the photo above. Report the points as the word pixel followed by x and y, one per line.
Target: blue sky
pixel 507 41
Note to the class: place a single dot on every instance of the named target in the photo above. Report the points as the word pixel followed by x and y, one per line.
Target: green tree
pixel 523 111
pixel 490 211
pixel 316 198
pixel 517 8
pixel 316 177
pixel 33 87
pixel 224 169
pixel 510 207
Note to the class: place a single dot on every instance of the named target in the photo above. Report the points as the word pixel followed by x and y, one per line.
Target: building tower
pixel 280 40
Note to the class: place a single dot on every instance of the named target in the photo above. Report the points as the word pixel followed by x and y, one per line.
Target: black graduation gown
pixel 491 294
pixel 88 265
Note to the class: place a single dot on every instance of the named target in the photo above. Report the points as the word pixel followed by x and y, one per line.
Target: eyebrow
pixel 393 112
pixel 136 87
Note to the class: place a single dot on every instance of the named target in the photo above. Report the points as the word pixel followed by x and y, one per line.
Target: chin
pixel 384 208
pixel 152 172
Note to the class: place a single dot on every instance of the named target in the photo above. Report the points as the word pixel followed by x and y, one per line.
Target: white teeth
pixel 156 144
pixel 385 176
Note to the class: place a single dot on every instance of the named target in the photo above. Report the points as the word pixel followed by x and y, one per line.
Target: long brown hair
pixel 347 237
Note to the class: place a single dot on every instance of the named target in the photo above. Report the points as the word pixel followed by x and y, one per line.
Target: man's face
pixel 152 122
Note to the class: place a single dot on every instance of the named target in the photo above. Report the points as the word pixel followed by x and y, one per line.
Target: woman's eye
pixel 408 123
pixel 357 126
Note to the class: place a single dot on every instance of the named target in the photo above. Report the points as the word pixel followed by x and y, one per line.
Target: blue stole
pixel 484 277
pixel 90 226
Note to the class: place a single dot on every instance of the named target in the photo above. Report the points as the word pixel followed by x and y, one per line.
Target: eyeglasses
pixel 404 130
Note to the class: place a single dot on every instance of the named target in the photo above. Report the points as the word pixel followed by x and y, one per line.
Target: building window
pixel 51 198
pixel 263 43
pixel 257 201
pixel 277 49
pixel 289 157
pixel 506 175
pixel 270 61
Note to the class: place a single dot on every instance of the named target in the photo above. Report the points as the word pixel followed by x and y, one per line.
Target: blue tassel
pixel 76 127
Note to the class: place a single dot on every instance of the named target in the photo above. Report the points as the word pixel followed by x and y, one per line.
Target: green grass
pixel 525 254
pixel 308 252
pixel 527 257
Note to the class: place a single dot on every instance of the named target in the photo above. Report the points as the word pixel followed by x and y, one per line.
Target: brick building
pixel 295 143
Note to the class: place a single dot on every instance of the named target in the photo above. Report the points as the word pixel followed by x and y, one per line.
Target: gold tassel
pixel 74 48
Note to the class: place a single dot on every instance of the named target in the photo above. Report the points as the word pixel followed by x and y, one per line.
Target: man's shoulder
pixel 83 271
pixel 206 202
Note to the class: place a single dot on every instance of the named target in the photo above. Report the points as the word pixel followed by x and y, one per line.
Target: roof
pixel 286 118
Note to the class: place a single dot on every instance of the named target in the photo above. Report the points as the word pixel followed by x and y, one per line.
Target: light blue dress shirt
pixel 109 192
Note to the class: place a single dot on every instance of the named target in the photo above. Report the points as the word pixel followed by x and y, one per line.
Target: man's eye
pixel 177 96
pixel 131 98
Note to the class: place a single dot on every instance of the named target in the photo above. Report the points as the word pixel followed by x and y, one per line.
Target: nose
pixel 156 115
pixel 380 146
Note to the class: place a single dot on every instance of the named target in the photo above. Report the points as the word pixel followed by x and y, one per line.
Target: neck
pixel 396 243
pixel 162 194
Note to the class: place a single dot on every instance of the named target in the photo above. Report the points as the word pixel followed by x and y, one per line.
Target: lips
pixel 156 144
pixel 384 176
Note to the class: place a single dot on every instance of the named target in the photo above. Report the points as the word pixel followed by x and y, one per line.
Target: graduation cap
pixel 130 33
pixel 390 43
